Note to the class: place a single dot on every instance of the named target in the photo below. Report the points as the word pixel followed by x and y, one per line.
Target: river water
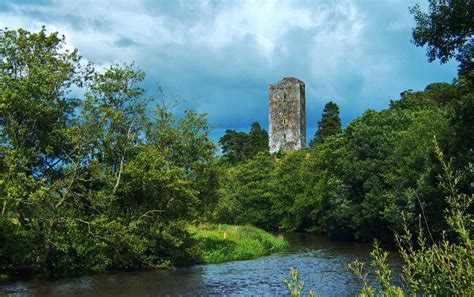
pixel 322 265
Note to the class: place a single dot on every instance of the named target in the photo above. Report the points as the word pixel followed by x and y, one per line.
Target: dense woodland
pixel 96 174
pixel 354 183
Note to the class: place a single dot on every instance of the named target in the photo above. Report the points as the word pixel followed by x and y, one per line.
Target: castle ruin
pixel 287 116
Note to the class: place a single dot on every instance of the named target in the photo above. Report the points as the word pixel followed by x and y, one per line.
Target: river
pixel 322 265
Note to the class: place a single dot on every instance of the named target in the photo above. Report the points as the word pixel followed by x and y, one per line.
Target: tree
pixel 240 146
pixel 36 73
pixel 288 184
pixel 104 181
pixel 330 124
pixel 329 209
pixel 36 111
pixel 232 144
pixel 246 193
pixel 447 29
pixel 429 268
pixel 257 140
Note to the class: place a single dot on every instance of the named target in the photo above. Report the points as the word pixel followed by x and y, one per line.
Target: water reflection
pixel 322 265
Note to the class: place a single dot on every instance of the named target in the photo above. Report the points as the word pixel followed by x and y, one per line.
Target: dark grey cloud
pixel 125 42
pixel 222 55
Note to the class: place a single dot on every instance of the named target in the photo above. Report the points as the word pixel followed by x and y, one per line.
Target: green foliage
pixel 462 119
pixel 109 180
pixel 447 29
pixel 289 203
pixel 246 195
pixel 36 75
pixel 355 183
pixel 220 243
pixel 330 124
pixel 329 210
pixel 433 268
pixel 383 275
pixel 240 146
pixel 257 141
pixel 295 286
pixel 265 191
pixel 35 112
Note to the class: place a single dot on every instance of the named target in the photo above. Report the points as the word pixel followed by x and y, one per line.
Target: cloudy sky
pixel 220 56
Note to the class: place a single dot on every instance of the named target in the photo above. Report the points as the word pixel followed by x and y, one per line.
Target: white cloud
pixel 222 55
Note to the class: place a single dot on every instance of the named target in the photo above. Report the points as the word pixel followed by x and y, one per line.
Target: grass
pixel 221 243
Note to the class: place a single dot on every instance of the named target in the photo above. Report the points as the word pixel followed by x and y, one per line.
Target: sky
pixel 218 57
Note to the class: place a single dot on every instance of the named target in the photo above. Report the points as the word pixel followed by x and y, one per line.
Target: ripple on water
pixel 322 265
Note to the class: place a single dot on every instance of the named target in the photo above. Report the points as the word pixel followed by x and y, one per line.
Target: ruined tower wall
pixel 287 116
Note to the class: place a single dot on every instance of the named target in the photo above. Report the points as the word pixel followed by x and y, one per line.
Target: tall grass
pixel 221 243
pixel 295 286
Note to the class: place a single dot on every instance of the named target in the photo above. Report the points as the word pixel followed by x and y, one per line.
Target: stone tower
pixel 287 115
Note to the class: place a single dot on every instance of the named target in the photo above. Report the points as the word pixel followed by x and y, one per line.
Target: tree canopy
pixel 448 31
pixel 109 178
pixel 240 146
pixel 329 124
pixel 105 180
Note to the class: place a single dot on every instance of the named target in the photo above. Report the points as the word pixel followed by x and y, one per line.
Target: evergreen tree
pixel 257 140
pixel 232 145
pixel 240 146
pixel 330 124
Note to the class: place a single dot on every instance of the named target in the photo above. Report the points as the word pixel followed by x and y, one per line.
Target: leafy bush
pixel 430 267
pixel 107 180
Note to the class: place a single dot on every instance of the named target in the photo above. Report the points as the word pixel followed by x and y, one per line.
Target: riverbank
pixel 216 244
pixel 322 265
pixel 222 243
